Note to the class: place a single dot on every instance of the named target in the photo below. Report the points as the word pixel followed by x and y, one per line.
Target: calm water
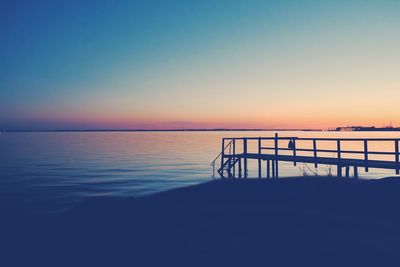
pixel 48 172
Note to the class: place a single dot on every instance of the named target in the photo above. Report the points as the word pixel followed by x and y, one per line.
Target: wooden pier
pixel 269 151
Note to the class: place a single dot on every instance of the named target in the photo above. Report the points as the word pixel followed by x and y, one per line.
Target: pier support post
pixel 294 152
pixel 355 171
pixel 245 157
pixel 259 157
pixel 339 155
pixel 315 153
pixel 347 171
pixel 276 170
pixel 366 155
pixel 268 168
pixel 273 168
pixel 222 157
pixel 229 171
pixel 276 155
pixel 396 152
pixel 240 168
pixel 234 159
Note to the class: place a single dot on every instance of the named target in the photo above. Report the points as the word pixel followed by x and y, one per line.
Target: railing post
pixel 315 153
pixel 396 149
pixel 222 156
pixel 259 157
pixel 339 165
pixel 276 155
pixel 245 156
pixel 366 154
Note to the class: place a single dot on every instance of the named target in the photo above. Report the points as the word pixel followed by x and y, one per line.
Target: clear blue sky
pixel 198 64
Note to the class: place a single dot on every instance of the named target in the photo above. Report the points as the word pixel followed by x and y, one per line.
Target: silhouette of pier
pixel 269 151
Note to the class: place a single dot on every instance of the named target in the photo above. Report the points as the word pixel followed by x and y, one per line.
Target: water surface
pixel 53 171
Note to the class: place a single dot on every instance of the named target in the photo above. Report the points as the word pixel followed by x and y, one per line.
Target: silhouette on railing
pixel 234 163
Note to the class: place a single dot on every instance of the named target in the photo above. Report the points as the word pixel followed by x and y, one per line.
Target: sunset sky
pixel 198 64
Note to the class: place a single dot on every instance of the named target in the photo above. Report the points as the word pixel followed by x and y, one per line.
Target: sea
pixel 51 172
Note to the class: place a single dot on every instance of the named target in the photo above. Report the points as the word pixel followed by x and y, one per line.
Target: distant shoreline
pixel 198 130
pixel 167 130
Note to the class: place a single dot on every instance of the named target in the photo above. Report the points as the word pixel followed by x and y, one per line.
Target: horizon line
pixel 163 130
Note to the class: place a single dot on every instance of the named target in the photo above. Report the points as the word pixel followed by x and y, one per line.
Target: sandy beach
pixel 309 221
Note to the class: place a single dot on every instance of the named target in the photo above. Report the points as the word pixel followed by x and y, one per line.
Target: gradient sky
pixel 198 64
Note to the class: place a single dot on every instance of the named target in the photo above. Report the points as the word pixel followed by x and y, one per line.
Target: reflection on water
pixel 53 171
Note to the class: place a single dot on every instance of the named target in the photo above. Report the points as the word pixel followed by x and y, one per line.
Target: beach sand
pixel 307 221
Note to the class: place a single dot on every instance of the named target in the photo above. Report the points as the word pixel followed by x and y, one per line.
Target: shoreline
pixel 301 221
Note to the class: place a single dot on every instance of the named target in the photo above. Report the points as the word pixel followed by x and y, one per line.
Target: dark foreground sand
pixel 285 222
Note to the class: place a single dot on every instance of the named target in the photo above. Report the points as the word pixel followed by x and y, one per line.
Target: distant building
pixel 368 128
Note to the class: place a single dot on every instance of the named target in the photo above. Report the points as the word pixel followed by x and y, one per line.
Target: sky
pixel 198 64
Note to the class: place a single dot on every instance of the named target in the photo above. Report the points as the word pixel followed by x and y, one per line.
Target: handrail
pixel 219 155
pixel 316 138
pixel 366 152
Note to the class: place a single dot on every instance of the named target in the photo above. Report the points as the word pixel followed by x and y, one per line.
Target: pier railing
pixel 235 153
